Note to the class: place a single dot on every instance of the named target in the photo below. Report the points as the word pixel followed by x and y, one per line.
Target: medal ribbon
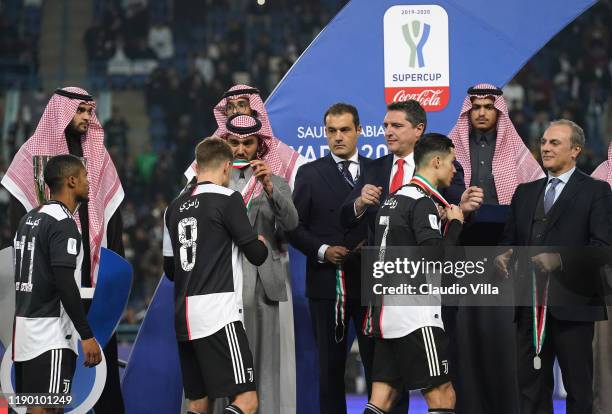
pixel 422 182
pixel 340 307
pixel 249 188
pixel 240 164
pixel 367 322
pixel 539 315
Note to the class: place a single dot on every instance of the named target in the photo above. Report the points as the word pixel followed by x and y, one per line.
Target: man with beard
pixel 270 209
pixel 283 162
pixel 69 126
pixel 48 307
pixel 206 267
pixel 244 99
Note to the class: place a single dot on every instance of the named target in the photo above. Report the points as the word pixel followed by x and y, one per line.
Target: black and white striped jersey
pixel 47 237
pixel 204 229
pixel 408 217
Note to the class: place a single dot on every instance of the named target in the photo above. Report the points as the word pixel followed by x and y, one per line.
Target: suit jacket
pixel 379 174
pixel 320 190
pixel 580 217
pixel 271 217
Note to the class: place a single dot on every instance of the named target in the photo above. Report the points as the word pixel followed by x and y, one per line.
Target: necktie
pixel 344 169
pixel 549 197
pixel 398 178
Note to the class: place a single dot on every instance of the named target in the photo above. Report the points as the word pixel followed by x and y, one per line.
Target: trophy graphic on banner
pixel 39 164
pixel 411 33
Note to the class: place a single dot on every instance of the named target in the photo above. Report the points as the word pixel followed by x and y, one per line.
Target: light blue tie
pixel 549 197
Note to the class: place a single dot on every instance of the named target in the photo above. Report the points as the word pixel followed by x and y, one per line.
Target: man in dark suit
pixel 404 123
pixel 333 267
pixel 567 209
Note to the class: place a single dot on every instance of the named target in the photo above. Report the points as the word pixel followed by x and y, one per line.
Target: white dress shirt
pixel 354 170
pixel 408 169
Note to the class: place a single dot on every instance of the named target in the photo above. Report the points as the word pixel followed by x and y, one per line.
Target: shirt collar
pixel 563 177
pixel 408 158
pixel 354 158
pixel 489 136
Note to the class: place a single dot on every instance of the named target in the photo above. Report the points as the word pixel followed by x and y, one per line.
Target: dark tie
pixel 344 169
pixel 549 197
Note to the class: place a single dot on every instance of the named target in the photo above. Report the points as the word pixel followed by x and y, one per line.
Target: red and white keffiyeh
pixel 603 171
pixel 280 158
pixel 513 163
pixel 105 191
pixel 243 126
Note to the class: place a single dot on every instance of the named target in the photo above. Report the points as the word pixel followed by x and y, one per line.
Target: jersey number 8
pixel 188 243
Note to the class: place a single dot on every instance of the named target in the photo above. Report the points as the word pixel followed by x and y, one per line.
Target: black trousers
pixel 568 341
pixel 332 354
pixel 482 358
pixel 111 400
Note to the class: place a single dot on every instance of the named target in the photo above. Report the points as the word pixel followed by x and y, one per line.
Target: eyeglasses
pixel 237 106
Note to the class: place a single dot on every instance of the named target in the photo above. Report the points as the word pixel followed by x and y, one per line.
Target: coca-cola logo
pixel 431 98
pixel 427 97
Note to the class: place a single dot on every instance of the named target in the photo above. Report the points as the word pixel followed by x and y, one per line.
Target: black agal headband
pixel 240 129
pixel 74 95
pixel 494 92
pixel 249 91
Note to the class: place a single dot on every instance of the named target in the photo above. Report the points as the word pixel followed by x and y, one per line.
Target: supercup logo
pixel 416 55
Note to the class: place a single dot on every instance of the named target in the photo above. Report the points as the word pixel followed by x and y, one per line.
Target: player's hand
pixel 263 173
pixel 92 355
pixel 262 239
pixel 501 261
pixel 441 212
pixel 453 212
pixel 471 199
pixel 370 196
pixel 336 254
pixel 547 262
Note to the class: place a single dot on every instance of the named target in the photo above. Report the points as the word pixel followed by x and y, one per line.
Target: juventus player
pixel 206 231
pixel 410 344
pixel 48 309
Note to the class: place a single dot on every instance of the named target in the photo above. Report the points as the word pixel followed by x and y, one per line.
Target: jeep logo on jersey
pixel 417 56
pixel 391 202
